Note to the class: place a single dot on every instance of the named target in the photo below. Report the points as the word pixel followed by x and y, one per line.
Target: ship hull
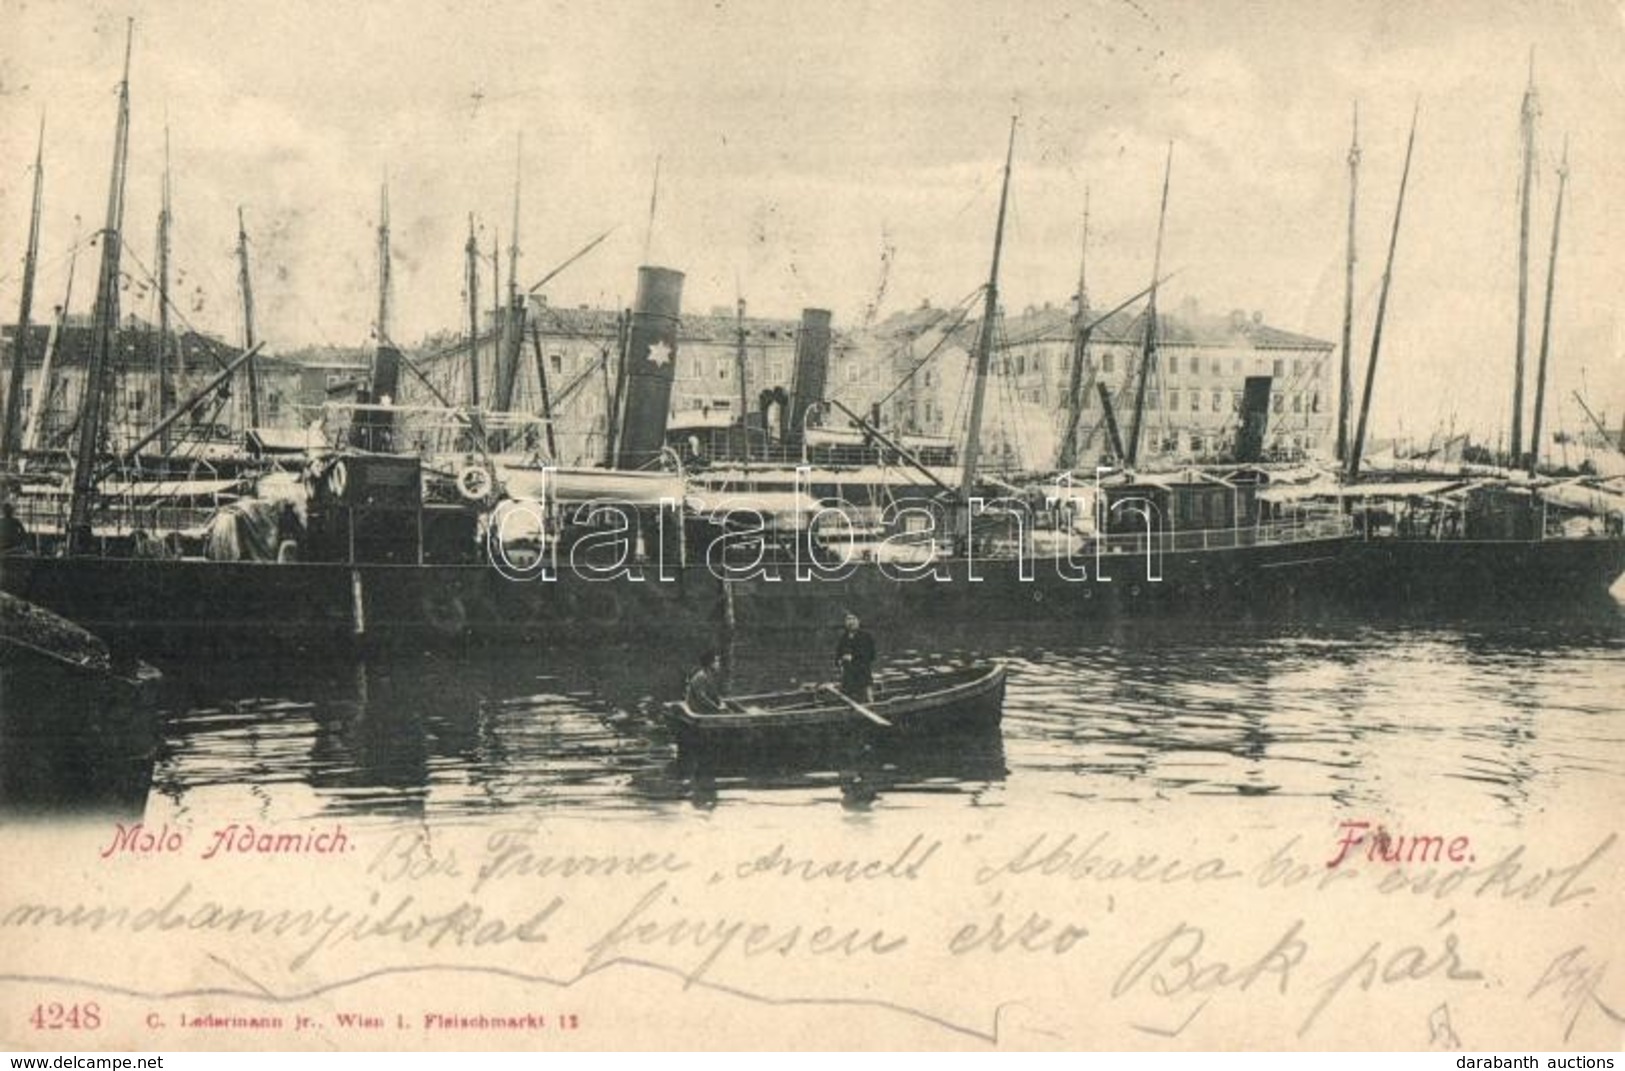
pixel 187 608
pixel 1409 577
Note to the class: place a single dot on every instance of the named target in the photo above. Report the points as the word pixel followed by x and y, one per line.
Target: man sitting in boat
pixel 13 535
pixel 855 658
pixel 704 691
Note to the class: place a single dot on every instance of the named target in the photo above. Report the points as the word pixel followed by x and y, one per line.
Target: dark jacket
pixel 859 672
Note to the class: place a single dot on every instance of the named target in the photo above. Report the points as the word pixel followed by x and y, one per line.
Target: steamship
pixel 376 546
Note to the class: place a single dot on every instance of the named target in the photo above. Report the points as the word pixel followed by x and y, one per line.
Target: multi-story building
pixel 1192 399
pixel 915 367
pixel 135 406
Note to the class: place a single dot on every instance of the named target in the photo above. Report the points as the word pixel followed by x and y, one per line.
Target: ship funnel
pixel 651 362
pixel 373 429
pixel 811 372
pixel 1255 419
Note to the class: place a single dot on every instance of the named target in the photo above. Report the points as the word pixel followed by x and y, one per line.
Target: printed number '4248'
pixel 66 1017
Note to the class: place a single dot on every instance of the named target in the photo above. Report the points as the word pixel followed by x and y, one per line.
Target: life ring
pixel 338 478
pixel 444 612
pixel 474 483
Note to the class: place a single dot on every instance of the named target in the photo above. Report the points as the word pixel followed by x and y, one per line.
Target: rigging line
pixel 175 309
pixel 964 309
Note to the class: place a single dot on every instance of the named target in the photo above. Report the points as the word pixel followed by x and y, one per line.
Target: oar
pixel 855 705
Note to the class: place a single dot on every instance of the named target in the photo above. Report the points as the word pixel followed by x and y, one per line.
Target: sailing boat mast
pixel 739 370
pixel 104 323
pixel 1382 309
pixel 383 264
pixel 1345 382
pixel 471 255
pixel 11 434
pixel 1068 456
pixel 513 322
pixel 1546 319
pixel 247 288
pixel 45 384
pixel 1530 111
pixel 984 345
pixel 163 297
pixel 1148 355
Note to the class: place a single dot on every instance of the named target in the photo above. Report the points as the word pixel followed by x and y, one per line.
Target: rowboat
pixel 904 705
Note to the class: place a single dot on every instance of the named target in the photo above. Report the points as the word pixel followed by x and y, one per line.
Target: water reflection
pixel 1377 719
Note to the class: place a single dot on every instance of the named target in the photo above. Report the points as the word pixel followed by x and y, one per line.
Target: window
pixel 1106 363
pixel 1173 400
pixel 928 377
pixel 1151 398
pixel 1196 444
pixel 1280 368
pixel 1021 363
pixel 851 371
pixel 1196 401
pixel 1217 367
pixel 1066 362
pixel 1235 366
pixel 558 362
pixel 1218 401
pixel 1275 403
pixel 1235 401
pixel 1173 365
pixel 1297 403
pixel 1084 402
pixel 1314 402
pixel 1297 366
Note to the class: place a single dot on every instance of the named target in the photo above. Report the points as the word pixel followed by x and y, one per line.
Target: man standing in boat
pixel 704 690
pixel 855 658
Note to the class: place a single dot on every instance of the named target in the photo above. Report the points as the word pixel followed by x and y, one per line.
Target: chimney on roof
pixel 1258 318
pixel 1238 319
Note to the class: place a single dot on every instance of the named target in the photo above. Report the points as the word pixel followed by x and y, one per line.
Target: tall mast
pixel 739 370
pixel 383 263
pixel 513 320
pixel 1358 445
pixel 513 236
pixel 163 299
pixel 1546 318
pixel 1530 111
pixel 1345 381
pixel 43 387
pixel 471 254
pixel 248 320
pixel 499 340
pixel 1068 455
pixel 984 344
pixel 11 433
pixel 104 323
pixel 1148 356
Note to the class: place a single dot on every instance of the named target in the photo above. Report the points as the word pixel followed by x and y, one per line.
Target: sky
pixel 798 141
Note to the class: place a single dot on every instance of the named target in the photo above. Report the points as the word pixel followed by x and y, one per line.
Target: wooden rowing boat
pixel 904 705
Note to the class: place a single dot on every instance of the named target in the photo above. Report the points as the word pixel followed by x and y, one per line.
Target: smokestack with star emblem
pixel 651 356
